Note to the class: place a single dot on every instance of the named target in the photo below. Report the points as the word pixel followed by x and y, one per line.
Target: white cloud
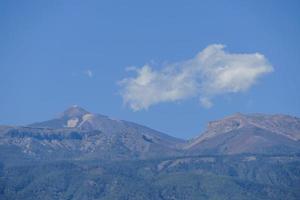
pixel 89 73
pixel 210 73
pixel 205 102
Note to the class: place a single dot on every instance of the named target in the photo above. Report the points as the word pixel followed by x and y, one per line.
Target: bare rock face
pixel 255 133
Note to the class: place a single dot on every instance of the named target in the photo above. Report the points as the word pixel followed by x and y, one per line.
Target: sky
pixel 170 65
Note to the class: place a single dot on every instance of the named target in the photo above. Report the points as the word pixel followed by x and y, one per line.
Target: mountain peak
pixel 74 111
pixel 243 132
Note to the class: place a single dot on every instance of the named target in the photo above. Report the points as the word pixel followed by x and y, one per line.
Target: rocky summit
pixel 253 133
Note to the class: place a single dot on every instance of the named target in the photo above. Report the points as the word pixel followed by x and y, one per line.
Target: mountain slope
pixel 76 117
pixel 192 178
pixel 256 133
pixel 79 134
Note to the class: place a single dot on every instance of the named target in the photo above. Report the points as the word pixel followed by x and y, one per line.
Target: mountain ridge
pixel 97 157
pixel 81 134
pixel 258 130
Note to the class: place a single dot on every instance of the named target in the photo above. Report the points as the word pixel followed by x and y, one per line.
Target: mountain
pixel 70 118
pixel 85 156
pixel 252 133
pixel 77 118
pixel 79 134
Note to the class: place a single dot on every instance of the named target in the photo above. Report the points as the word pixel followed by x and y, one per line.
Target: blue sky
pixel 54 54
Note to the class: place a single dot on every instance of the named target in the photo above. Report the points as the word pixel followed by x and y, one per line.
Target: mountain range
pixel 82 155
